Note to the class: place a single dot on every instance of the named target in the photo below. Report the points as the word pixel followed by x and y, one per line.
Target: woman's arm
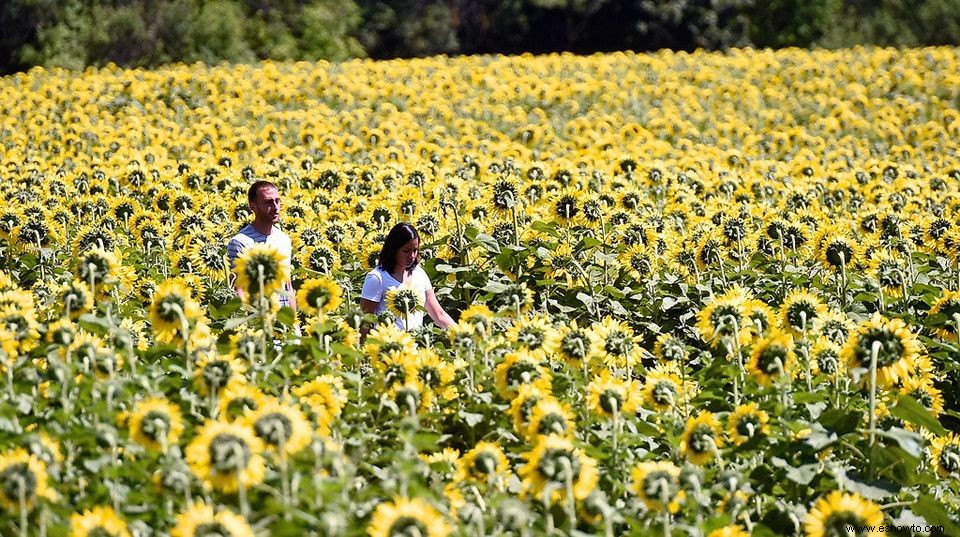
pixel 436 311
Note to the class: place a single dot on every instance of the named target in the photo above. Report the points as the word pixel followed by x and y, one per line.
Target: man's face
pixel 266 205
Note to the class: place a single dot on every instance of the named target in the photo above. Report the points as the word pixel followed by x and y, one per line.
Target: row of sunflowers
pixel 697 294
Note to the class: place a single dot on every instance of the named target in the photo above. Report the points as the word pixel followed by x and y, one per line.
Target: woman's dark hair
pixel 401 234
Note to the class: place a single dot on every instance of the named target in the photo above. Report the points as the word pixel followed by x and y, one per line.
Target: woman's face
pixel 407 254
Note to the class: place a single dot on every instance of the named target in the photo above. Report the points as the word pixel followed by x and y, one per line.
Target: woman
pixel 398 265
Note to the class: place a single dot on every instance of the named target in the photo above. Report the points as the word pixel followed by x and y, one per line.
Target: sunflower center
pixel 552 423
pixel 522 372
pixel 408 526
pixel 212 529
pixel 274 428
pixel 217 373
pixel 567 207
pixel 772 359
pixel 701 439
pixel 800 315
pixel 16 479
pixel 210 256
pixel 664 393
pixel 270 271
pixel 950 458
pixel 828 362
pixel 484 463
pixel 840 523
pixel 574 345
pixel 607 399
pixel 228 453
pixel 748 425
pixel 558 465
pixel 167 312
pixel 238 405
pixel 839 253
pixel 430 376
pixel 725 320
pixel 407 397
pixel 318 296
pixel 658 484
pixel 155 424
pixel 530 336
pixel 891 348
pixel 617 343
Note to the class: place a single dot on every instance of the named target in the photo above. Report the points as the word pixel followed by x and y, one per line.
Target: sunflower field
pixel 705 294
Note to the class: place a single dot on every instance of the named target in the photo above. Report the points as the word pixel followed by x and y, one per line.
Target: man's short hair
pixel 255 187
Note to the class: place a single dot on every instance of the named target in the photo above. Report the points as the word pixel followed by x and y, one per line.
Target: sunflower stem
pixel 569 505
pixel 21 496
pixel 874 352
pixel 616 430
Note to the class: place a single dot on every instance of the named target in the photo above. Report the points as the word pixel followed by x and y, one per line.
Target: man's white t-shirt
pixel 248 236
pixel 379 281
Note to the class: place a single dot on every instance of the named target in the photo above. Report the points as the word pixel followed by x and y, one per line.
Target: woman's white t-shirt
pixel 379 281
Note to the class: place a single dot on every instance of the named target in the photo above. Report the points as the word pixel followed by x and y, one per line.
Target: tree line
pixel 145 33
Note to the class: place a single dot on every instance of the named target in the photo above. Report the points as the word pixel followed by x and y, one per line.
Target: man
pixel 264 199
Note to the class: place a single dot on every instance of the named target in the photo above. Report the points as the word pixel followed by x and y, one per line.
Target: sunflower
pixel 101 521
pixel 945 455
pixel 99 268
pixel 837 251
pixel 801 312
pixel 888 271
pixel 215 372
pixel 172 305
pixel 247 344
pixel 280 426
pixel 553 462
pixel 745 422
pixel 199 520
pixel 921 387
pixel 238 399
pixel 483 463
pixel 410 396
pixel 726 317
pixel 670 348
pixel 321 259
pixel 517 369
pixel 835 513
pixel 386 339
pixel 23 475
pixel 528 395
pixel 324 395
pixel 835 326
pixel 664 388
pixel 480 316
pixel 516 299
pixel 436 374
pixel 226 455
pixel 640 261
pixel 260 269
pixel 571 342
pixel 558 264
pixel 567 205
pixel 155 423
pixel 825 358
pixel 657 484
pixel 701 438
pixel 319 295
pixel 550 417
pixel 943 315
pixel 772 357
pixel 532 334
pixel 897 348
pixel 405 299
pixel 607 394
pixel 614 344
pixel 208 258
pixel 405 516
